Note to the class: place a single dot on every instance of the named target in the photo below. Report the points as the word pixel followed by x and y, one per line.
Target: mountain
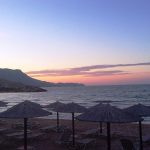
pixel 20 77
pixel 10 86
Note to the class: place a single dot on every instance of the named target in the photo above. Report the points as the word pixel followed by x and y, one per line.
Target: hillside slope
pixel 10 86
pixel 20 77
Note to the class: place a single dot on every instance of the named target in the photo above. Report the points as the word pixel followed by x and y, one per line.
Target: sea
pixel 121 96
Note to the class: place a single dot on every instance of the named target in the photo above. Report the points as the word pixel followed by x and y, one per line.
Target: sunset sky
pixel 93 42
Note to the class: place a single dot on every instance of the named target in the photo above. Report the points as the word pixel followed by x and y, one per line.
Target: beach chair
pixel 28 148
pixel 146 138
pixel 85 143
pixel 128 144
pixel 53 128
pixel 31 136
pixel 16 134
pixel 62 128
pixel 4 130
pixel 18 125
pixel 34 124
pixel 64 138
pixel 92 133
pixel 48 128
pixel 2 122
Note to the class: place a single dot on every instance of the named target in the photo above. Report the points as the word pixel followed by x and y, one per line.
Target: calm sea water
pixel 119 95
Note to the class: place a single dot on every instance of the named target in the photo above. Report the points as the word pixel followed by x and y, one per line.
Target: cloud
pixel 94 70
pixel 86 74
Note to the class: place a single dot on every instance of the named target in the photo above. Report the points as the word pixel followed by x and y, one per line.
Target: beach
pixel 75 75
pixel 47 140
pixel 11 130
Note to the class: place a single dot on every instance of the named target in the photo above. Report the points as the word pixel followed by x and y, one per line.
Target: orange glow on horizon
pixel 99 80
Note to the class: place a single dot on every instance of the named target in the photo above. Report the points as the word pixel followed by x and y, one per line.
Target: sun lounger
pixel 84 143
pixel 34 124
pixel 2 122
pixel 35 135
pixel 28 148
pixel 3 130
pixel 30 136
pixel 92 132
pixel 18 125
pixel 62 128
pixel 53 128
pixel 146 138
pixel 64 138
pixel 120 133
pixel 15 134
pixel 128 145
pixel 47 128
pixel 30 125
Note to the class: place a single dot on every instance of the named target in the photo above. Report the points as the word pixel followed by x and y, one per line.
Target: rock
pixel 9 86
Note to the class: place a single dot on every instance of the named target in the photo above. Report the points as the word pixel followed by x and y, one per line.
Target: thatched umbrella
pixel 139 109
pixel 142 111
pixel 25 110
pixel 72 108
pixel 109 114
pixel 55 107
pixel 100 123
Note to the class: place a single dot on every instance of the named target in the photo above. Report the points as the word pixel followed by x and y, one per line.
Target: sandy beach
pixel 48 140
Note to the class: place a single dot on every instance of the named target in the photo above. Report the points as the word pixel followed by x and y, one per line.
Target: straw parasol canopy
pixel 109 114
pixel 25 110
pixel 71 108
pixel 140 110
pixel 55 107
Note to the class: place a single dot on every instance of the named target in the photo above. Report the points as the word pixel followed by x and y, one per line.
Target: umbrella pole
pixel 140 134
pixel 108 136
pixel 25 133
pixel 73 130
pixel 100 127
pixel 57 121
